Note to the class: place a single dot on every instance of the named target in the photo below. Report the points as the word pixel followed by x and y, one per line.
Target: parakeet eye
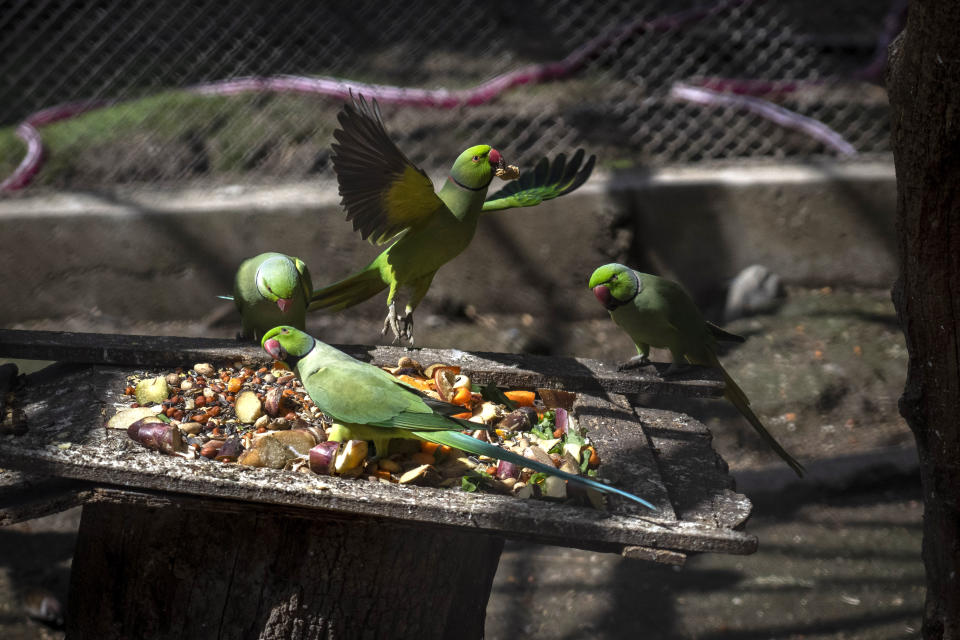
pixel 476 158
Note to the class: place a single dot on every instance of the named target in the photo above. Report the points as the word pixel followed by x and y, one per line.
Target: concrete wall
pixel 157 256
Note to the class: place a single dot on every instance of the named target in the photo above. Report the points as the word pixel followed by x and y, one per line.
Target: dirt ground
pixel 839 553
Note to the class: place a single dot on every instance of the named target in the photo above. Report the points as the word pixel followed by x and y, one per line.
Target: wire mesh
pixel 764 80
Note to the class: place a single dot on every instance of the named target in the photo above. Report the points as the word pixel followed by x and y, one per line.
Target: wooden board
pixel 25 496
pixel 575 374
pixel 66 407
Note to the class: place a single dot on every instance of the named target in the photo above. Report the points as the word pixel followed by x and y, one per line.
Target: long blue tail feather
pixel 479 447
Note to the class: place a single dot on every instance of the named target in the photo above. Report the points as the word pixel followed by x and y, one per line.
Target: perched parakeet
pixel 367 403
pixel 388 199
pixel 271 289
pixel 658 312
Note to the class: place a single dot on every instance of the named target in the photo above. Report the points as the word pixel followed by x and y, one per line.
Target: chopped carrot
pixel 383 473
pixel 419 383
pixel 429 447
pixel 466 415
pixel 462 397
pixel 492 470
pixel 280 364
pixel 521 398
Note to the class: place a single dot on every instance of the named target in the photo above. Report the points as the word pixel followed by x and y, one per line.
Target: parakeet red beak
pixel 603 295
pixel 495 159
pixel 284 304
pixel 275 349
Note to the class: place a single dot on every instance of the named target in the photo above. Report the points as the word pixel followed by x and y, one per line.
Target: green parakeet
pixel 658 312
pixel 367 403
pixel 271 289
pixel 389 199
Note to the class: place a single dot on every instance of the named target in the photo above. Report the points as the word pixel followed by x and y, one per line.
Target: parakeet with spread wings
pixel 389 199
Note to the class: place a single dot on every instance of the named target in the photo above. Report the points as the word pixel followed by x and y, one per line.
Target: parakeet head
pixel 614 284
pixel 277 281
pixel 286 343
pixel 475 167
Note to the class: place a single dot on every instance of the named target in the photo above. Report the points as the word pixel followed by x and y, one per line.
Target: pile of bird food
pixel 264 418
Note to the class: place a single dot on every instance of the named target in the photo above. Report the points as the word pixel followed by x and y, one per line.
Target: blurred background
pixel 742 148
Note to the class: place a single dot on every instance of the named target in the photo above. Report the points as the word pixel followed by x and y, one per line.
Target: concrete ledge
pixel 162 255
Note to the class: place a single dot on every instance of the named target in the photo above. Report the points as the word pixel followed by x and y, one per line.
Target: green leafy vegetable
pixel 491 392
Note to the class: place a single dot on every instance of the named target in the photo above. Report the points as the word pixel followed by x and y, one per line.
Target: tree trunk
pixel 170 572
pixel 924 88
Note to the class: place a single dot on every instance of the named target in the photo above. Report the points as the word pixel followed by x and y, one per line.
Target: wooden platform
pixel 662 456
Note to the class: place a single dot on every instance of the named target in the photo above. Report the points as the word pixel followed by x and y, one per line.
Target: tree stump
pixel 174 572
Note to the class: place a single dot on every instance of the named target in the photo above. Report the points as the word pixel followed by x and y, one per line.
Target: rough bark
pixel 142 572
pixel 924 87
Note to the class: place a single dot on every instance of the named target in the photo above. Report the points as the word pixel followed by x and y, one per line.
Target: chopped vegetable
pixel 521 398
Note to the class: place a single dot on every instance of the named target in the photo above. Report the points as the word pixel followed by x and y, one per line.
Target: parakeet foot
pixel 406 326
pixel 676 368
pixel 634 363
pixel 402 326
pixel 392 322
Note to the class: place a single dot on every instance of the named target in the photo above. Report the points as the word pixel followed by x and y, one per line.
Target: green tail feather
pixel 479 447
pixel 739 399
pixel 351 290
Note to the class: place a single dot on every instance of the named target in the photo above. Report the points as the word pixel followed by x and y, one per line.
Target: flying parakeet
pixel 658 312
pixel 389 199
pixel 367 403
pixel 271 289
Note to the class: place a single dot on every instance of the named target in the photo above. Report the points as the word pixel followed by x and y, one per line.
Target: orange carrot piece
pixel 429 447
pixel 419 383
pixel 462 397
pixel 521 398
pixel 466 415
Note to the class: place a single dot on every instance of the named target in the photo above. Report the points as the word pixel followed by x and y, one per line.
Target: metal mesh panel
pixel 783 73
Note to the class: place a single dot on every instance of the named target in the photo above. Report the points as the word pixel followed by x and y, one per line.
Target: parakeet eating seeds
pixel 269 290
pixel 658 312
pixel 389 199
pixel 367 403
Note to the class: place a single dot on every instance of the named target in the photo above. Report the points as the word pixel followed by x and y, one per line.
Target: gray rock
pixel 754 290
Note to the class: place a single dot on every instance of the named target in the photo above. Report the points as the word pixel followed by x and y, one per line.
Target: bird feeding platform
pixel 170 547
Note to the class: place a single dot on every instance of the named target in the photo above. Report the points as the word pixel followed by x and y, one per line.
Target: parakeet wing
pixel 382 191
pixel 352 391
pixel 546 181
pixel 306 282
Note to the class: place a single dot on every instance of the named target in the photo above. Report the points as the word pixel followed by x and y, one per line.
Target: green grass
pixel 161 133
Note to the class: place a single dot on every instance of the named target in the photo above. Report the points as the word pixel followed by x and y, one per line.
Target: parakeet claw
pixel 634 363
pixel 391 322
pixel 676 368
pixel 402 326
pixel 406 326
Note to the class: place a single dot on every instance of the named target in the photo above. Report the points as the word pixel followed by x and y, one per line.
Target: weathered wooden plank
pixel 697 478
pixel 661 556
pixel 575 374
pixel 627 459
pixel 66 407
pixel 25 496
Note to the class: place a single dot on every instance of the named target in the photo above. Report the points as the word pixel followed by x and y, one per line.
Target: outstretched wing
pixel 382 191
pixel 546 181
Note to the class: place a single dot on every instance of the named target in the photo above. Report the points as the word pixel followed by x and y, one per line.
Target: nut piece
pixel 248 407
pixel 205 369
pixel 510 172
pixel 424 474
pixel 272 401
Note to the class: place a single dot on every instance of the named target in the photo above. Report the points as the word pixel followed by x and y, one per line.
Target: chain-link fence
pixel 143 90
